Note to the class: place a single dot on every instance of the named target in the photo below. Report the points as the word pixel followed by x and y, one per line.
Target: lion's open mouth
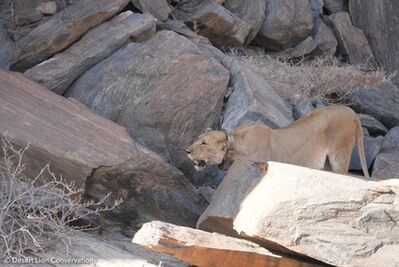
pixel 199 164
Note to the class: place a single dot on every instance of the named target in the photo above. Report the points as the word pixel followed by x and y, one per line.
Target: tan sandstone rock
pixel 201 248
pixel 337 219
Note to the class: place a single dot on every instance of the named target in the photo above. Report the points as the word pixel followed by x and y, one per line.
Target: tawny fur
pixel 325 133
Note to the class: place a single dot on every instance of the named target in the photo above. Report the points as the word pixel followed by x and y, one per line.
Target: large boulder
pixel 253 99
pixel 61 30
pixel 201 248
pixel 379 20
pixel 60 71
pixel 380 101
pixel 386 165
pixel 90 251
pixel 337 219
pixel 250 11
pixel 158 8
pixel 287 23
pixel 164 91
pixel 213 21
pixel 6 49
pixel 93 152
pixel 352 41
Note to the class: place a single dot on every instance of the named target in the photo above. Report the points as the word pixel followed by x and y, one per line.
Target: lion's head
pixel 209 149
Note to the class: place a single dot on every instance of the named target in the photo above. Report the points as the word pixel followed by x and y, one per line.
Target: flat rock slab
pixel 99 253
pixel 386 165
pixel 337 219
pixel 215 22
pixel 380 101
pixel 253 99
pixel 61 30
pixel 58 72
pixel 379 21
pixel 92 151
pixel 352 41
pixel 164 91
pixel 158 8
pixel 200 248
pixel 287 23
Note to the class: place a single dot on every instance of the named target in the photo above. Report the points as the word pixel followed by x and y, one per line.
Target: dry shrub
pixel 35 212
pixel 324 78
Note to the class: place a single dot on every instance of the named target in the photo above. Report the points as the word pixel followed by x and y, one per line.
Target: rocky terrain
pixel 110 93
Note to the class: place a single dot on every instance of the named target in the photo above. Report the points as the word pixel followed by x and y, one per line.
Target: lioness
pixel 328 132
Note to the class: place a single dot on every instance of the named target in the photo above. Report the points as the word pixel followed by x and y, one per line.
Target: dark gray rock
pixel 325 39
pixel 60 71
pixel 372 146
pixel 379 20
pixel 94 153
pixel 335 6
pixel 287 23
pixel 253 99
pixel 380 101
pixel 373 126
pixel 213 21
pixel 317 8
pixel 386 165
pixel 61 30
pixel 352 41
pixel 25 11
pixel 6 49
pixel 165 91
pixel 160 9
pixel 250 11
pixel 391 139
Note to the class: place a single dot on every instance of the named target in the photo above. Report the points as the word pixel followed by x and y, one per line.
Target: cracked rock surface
pixel 337 219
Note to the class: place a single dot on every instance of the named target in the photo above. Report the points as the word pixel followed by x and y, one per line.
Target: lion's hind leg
pixel 339 159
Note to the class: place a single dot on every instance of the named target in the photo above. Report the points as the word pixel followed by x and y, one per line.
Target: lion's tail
pixel 360 149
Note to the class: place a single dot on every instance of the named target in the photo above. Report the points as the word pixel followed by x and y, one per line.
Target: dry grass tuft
pixel 322 78
pixel 36 212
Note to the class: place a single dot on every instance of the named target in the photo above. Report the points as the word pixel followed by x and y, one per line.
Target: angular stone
pixel 391 139
pixel 93 152
pixel 6 49
pixel 25 11
pixel 380 101
pixel 250 11
pixel 158 8
pixel 214 21
pixel 164 91
pixel 95 253
pixel 386 165
pixel 337 219
pixel 352 41
pixel 372 124
pixel 253 99
pixel 372 146
pixel 379 21
pixel 60 71
pixel 200 248
pixel 61 30
pixel 287 23
pixel 303 48
pixel 324 38
pixel 182 29
pixel 335 6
